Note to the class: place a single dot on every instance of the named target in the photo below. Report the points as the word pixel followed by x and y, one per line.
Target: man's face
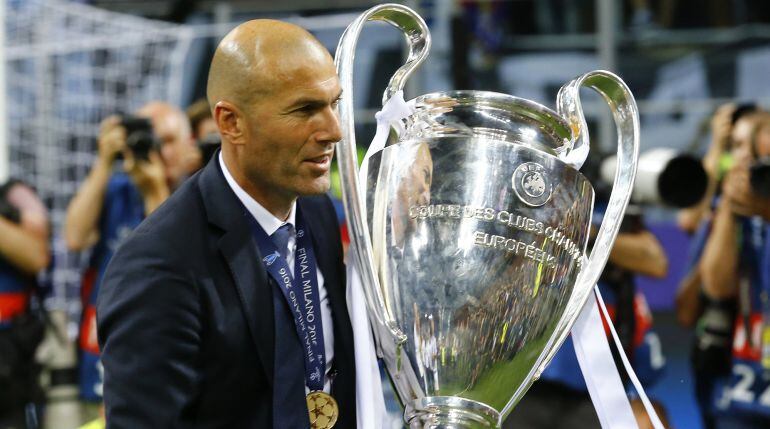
pixel 762 141
pixel 415 190
pixel 176 142
pixel 741 139
pixel 291 131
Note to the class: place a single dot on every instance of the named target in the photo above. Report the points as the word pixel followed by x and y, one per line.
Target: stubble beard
pixel 320 185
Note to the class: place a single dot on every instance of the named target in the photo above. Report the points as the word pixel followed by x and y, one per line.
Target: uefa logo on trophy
pixel 469 230
pixel 531 184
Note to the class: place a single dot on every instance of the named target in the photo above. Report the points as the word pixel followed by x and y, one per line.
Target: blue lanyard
pixel 301 295
pixel 764 267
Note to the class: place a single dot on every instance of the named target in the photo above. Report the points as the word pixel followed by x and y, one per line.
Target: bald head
pixel 273 91
pixel 161 112
pixel 258 56
pixel 171 127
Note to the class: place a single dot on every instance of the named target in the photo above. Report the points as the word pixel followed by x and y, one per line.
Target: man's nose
pixel 331 132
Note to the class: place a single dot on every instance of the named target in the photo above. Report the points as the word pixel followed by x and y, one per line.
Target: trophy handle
pixel 418 38
pixel 626 115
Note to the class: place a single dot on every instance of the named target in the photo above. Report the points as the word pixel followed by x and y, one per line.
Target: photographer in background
pixel 24 252
pixel 730 122
pixel 713 314
pixel 202 123
pixel 158 153
pixel 733 267
pixel 204 129
pixel 731 125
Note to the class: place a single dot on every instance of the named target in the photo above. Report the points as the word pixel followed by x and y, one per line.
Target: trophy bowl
pixel 470 228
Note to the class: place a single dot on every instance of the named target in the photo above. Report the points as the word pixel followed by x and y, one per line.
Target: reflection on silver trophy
pixel 470 232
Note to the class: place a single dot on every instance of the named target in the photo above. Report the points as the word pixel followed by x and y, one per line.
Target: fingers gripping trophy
pixel 469 232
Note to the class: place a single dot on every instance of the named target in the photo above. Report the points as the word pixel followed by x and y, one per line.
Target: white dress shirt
pixel 270 224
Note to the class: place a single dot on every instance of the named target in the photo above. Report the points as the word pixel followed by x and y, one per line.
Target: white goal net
pixel 68 66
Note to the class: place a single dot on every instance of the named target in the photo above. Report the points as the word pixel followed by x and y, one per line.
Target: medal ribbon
pixel 301 295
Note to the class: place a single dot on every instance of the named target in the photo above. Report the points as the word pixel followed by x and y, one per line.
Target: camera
pixel 140 138
pixel 759 174
pixel 663 177
pixel 8 211
pixel 759 177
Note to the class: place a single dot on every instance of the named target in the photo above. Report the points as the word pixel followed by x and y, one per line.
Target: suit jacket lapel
pixel 242 256
pixel 326 260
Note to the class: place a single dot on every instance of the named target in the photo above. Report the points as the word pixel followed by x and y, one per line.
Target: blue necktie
pixel 289 404
pixel 281 239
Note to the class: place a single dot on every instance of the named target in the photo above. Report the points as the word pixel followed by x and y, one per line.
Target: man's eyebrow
pixel 312 101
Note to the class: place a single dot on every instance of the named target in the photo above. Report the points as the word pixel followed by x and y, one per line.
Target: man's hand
pixel 721 127
pixel 112 139
pixel 149 176
pixel 738 192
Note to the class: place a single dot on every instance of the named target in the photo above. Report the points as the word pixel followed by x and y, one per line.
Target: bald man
pixel 111 202
pixel 226 307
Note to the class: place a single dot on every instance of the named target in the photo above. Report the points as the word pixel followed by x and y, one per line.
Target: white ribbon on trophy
pixel 591 343
pixel 588 336
pixel 370 402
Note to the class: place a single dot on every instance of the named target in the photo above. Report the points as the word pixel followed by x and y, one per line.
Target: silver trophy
pixel 470 231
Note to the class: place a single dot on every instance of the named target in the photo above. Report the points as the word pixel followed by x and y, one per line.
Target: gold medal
pixel 323 410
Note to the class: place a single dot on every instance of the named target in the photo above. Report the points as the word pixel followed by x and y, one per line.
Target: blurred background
pixel 69 64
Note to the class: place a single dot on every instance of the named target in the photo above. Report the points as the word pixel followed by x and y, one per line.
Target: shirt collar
pixel 266 220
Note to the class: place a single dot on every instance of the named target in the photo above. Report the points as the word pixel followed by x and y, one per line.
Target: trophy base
pixel 450 412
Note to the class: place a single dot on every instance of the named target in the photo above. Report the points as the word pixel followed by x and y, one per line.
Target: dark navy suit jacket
pixel 185 315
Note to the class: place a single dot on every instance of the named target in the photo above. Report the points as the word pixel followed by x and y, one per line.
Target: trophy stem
pixel 451 412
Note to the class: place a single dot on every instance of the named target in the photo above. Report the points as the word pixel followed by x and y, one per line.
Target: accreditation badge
pixel 323 410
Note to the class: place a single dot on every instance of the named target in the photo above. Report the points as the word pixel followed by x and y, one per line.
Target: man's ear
pixel 230 122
